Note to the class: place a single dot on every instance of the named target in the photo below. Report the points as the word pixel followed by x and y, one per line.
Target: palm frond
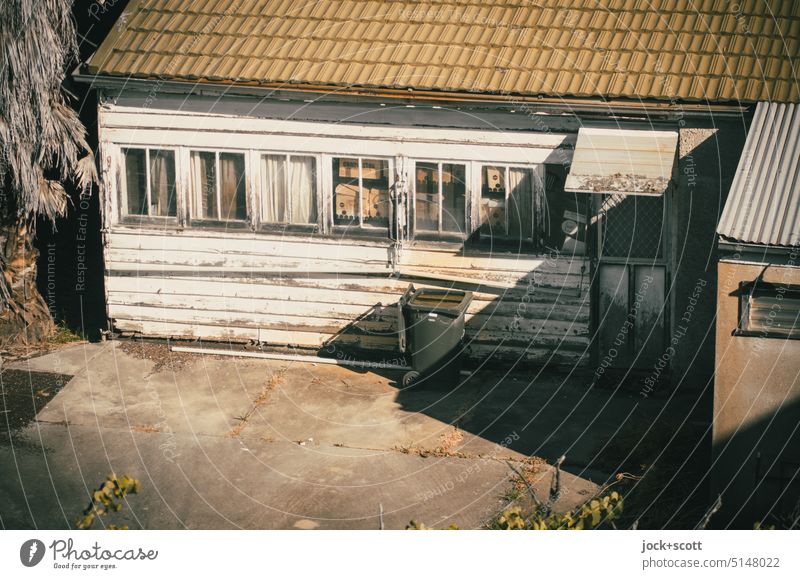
pixel 52 198
pixel 41 137
pixel 86 171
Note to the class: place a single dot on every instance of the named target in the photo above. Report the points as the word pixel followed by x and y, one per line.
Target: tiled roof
pixel 716 50
pixel 763 205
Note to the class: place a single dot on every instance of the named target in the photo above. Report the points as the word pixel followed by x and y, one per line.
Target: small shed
pixel 756 435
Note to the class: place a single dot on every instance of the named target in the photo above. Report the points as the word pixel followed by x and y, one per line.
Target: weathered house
pixel 274 170
pixel 757 387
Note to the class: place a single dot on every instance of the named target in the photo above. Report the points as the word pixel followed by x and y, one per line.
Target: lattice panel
pixel 633 226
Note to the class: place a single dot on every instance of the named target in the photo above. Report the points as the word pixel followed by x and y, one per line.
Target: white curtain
pixel 136 181
pixel 233 188
pixel 520 203
pixel 204 185
pixel 273 189
pixel 162 183
pixel 302 185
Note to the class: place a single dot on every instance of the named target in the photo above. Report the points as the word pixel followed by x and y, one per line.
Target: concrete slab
pixel 216 482
pixel 244 443
pixel 66 360
pixel 116 390
pixel 339 406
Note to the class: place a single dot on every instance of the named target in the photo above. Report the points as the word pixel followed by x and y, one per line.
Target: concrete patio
pixel 223 442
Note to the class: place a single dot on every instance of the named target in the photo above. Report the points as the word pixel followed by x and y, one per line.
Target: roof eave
pixel 731 244
pixel 543 103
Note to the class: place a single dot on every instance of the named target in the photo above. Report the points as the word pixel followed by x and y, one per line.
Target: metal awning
pixel 617 161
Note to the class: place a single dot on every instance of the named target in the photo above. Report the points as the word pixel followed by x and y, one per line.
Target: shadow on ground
pixel 220 442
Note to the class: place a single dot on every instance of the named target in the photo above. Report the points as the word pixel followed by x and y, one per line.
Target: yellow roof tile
pixel 653 49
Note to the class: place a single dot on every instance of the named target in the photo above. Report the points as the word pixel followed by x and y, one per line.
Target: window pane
pixel 204 185
pixel 273 189
pixel 303 189
pixel 233 187
pixel 774 309
pixel 375 206
pixel 520 199
pixel 162 183
pixel 136 181
pixel 345 192
pixel 493 200
pixel 453 198
pixel 426 188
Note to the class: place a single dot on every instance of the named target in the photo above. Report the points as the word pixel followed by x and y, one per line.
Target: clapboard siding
pixel 249 254
pixel 271 310
pixel 319 292
pixel 346 302
pixel 351 288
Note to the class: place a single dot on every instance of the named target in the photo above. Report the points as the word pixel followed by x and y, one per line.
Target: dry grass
pixel 62 337
pixel 446 447
pixel 145 428
pixel 427 452
pixel 531 470
pixel 259 400
pixel 450 440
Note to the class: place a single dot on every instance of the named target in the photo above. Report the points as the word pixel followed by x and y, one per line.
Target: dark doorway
pixel 631 280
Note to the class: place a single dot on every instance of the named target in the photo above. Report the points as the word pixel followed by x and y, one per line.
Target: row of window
pixel 360 192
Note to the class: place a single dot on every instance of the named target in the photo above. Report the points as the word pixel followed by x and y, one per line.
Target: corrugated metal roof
pixel 631 162
pixel 712 50
pixel 763 205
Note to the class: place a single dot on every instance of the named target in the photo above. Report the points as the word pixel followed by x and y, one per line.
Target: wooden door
pixel 631 277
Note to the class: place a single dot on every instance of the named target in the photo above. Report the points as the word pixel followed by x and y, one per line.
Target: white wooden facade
pixel 322 287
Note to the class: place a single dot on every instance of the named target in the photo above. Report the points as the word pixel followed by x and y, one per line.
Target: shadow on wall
pixel 756 469
pixel 373 337
pixel 70 267
pixel 709 155
pixel 530 306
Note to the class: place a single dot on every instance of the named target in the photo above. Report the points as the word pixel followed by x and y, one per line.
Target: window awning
pixel 630 162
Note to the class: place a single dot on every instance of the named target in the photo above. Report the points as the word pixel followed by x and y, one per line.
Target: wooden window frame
pixel 447 237
pixel 746 291
pixel 360 229
pixel 395 156
pixel 192 221
pixel 508 240
pixel 257 181
pixel 124 215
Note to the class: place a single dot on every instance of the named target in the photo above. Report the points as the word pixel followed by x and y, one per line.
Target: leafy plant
pixel 417 526
pixel 590 515
pixel 603 508
pixel 65 335
pixel 108 498
pixel 511 519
